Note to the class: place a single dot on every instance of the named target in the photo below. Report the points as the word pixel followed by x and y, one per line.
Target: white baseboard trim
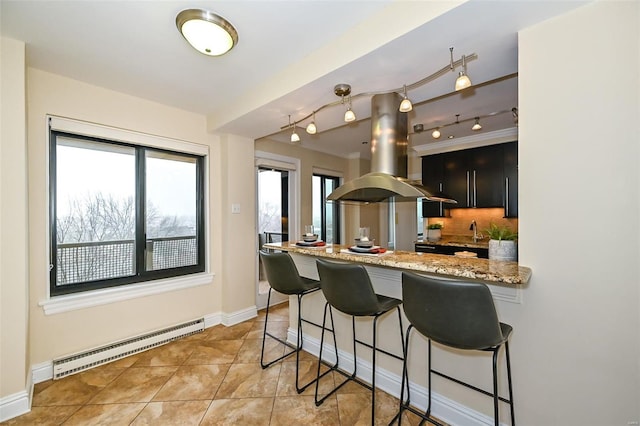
pixel 229 319
pixel 42 372
pixel 233 318
pixel 18 403
pixel 212 319
pixel 446 409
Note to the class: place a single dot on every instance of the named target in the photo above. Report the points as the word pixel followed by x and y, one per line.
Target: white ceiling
pixel 289 57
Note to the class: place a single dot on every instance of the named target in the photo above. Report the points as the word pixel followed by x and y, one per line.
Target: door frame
pixel 292 165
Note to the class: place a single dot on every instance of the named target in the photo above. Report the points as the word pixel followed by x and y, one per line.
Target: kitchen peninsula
pixel 506 281
pixel 489 271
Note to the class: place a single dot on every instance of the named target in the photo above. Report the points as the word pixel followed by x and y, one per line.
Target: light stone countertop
pixel 490 271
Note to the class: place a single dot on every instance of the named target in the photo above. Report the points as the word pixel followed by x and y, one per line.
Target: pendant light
pixel 477 125
pixel 405 105
pixel 207 32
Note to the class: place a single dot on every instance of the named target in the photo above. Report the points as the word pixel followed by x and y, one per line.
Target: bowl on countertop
pixel 309 238
pixel 364 244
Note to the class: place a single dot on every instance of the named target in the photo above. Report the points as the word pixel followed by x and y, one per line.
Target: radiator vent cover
pixel 78 362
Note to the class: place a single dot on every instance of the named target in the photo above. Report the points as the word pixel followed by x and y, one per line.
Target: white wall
pixel 14 274
pixel 577 336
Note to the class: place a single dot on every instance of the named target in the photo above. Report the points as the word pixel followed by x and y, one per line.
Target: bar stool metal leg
pixel 295 349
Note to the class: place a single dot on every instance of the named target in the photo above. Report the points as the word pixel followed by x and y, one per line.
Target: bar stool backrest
pixel 347 288
pixel 453 312
pixel 281 272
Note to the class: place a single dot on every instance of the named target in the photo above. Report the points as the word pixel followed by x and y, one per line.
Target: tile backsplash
pixel 459 221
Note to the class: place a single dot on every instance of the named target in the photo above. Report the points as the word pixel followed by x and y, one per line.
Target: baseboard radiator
pixel 75 363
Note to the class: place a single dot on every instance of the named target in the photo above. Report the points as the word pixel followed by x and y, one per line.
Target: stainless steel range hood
pixel 388 177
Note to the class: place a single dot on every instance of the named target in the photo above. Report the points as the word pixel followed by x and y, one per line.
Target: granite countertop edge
pixel 457 241
pixel 491 271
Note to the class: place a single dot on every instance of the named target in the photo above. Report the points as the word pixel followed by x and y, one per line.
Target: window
pixel 122 213
pixel 326 215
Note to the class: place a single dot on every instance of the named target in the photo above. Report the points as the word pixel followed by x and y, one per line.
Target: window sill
pixel 72 302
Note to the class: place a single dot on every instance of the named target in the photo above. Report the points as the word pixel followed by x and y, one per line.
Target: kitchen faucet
pixel 474 228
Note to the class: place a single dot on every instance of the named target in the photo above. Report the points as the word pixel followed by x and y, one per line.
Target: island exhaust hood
pixel 388 177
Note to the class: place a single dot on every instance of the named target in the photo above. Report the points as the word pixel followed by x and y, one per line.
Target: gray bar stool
pixel 348 289
pixel 284 278
pixel 460 314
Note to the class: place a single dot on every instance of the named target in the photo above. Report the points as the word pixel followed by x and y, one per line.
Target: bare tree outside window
pixel 96 218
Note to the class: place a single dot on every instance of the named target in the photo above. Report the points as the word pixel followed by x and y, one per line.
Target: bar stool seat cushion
pixel 351 291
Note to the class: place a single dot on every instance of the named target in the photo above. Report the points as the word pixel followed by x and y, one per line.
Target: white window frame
pixel 70 302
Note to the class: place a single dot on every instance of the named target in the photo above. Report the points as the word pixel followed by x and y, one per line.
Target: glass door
pixel 272 221
pixel 326 215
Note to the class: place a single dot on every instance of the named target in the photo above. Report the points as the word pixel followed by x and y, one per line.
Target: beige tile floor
pixel 211 378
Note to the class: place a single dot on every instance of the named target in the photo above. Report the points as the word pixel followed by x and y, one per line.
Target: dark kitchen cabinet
pixel 478 177
pixel 486 174
pixel 510 151
pixel 457 178
pixel 482 253
pixel 473 177
pixel 433 180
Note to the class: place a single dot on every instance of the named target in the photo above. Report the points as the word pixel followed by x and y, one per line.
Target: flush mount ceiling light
pixel 344 92
pixel 463 81
pixel 477 125
pixel 207 32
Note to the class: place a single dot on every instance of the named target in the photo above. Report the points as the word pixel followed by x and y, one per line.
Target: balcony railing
pixel 93 261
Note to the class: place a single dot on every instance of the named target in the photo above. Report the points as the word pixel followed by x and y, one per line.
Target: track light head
pixel 405 105
pixel 463 81
pixel 311 128
pixel 349 116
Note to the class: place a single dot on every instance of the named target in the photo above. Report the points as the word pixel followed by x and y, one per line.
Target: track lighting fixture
pixel 311 127
pixel 207 32
pixel 344 92
pixel 463 81
pixel 405 105
pixel 435 131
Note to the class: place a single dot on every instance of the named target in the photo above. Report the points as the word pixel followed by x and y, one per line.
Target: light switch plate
pixel 235 208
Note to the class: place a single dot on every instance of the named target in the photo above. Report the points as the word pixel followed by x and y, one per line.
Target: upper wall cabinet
pixel 475 178
pixel 433 179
